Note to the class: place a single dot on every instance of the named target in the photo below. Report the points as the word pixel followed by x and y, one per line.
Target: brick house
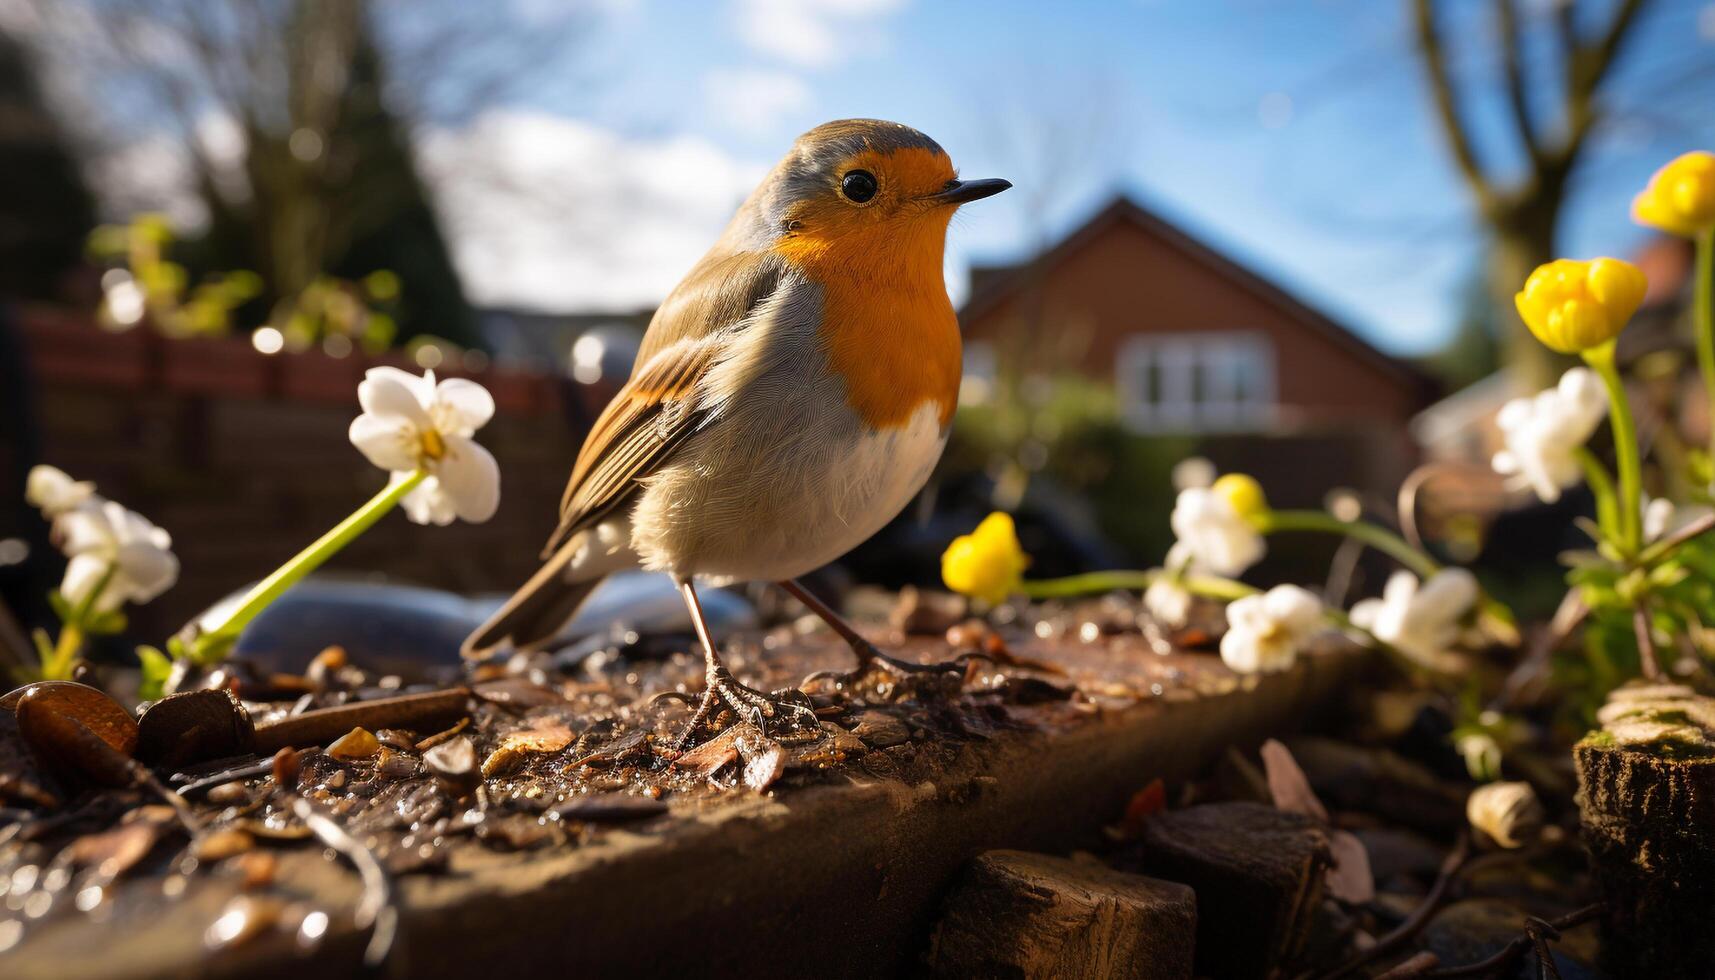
pixel 1193 342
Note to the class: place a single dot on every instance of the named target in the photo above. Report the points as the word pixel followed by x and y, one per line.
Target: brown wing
pixel 656 410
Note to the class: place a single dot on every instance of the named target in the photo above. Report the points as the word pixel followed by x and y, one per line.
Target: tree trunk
pixel 1524 239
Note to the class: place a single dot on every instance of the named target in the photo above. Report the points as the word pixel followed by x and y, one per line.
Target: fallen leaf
pixel 1145 803
pixel 1288 784
pixel 113 852
pixel 1350 879
pixel 711 756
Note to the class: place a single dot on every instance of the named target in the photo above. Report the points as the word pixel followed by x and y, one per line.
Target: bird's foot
pixel 894 675
pixel 790 706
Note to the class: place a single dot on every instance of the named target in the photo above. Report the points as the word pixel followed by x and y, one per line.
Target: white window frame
pixel 1211 358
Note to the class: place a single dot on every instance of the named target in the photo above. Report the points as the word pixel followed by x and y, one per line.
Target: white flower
pixel 410 423
pixel 1213 536
pixel 1662 517
pixel 54 492
pixel 108 542
pixel 1482 754
pixel 1193 471
pixel 1167 601
pixel 1542 433
pixel 1421 621
pixel 1507 813
pixel 1265 632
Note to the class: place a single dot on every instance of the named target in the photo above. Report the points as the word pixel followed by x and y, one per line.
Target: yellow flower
pixel 1243 494
pixel 1573 306
pixel 1680 198
pixel 987 563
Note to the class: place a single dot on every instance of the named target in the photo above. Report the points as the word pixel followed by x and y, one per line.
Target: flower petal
pixel 428 504
pixel 470 478
pixel 82 575
pixel 1447 596
pixel 147 570
pixel 461 407
pixel 387 441
pixel 87 531
pixel 390 392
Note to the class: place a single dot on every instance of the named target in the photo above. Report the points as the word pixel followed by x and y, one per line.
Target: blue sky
pixel 1293 134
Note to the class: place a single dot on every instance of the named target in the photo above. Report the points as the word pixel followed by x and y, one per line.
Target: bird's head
pixel 863 184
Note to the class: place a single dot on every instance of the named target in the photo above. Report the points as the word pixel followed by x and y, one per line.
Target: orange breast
pixel 888 325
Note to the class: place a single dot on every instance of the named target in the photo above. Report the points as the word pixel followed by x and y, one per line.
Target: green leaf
pixel 61 605
pixel 44 644
pixel 157 667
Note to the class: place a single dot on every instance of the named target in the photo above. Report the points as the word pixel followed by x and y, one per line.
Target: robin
pixel 791 396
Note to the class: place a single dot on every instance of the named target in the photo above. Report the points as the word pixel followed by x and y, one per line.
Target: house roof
pixel 994 285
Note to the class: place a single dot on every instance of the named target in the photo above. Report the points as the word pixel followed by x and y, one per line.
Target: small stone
pixel 257 868
pixel 219 845
pixel 243 919
pixel 396 765
pixel 397 738
pixel 1015 914
pixel 925 613
pixel 227 794
pixel 1475 929
pixel 287 764
pixel 358 743
pixel 454 764
pixel 194 726
pixel 881 730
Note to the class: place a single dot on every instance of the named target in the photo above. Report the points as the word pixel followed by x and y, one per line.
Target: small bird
pixel 790 397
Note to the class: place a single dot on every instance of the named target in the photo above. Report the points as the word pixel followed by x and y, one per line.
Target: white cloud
pixel 753 100
pixel 156 173
pixel 812 33
pixel 557 214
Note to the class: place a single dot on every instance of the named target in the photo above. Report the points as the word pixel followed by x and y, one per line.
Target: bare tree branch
pixel 1512 63
pixel 1453 126
pixel 1587 67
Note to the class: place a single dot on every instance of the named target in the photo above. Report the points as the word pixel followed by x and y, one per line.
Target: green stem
pixel 1121 580
pixel 1374 535
pixel 1601 359
pixel 65 651
pixel 1602 487
pixel 70 642
pixel 1703 315
pixel 210 644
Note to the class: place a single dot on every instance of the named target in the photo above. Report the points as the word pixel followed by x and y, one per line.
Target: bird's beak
pixel 966 191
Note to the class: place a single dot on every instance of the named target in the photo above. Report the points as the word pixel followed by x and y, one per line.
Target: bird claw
pixel 870 659
pixel 748 703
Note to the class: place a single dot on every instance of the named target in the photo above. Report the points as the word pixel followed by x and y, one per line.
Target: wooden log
pixel 1646 802
pixel 1017 914
pixel 1258 874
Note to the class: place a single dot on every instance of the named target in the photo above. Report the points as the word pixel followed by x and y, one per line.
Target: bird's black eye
pixel 858 186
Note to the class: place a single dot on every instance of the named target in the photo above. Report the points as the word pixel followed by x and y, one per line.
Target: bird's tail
pixel 539 608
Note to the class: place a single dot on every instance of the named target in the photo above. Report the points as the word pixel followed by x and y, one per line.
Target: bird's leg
pixel 867 654
pixel 721 686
